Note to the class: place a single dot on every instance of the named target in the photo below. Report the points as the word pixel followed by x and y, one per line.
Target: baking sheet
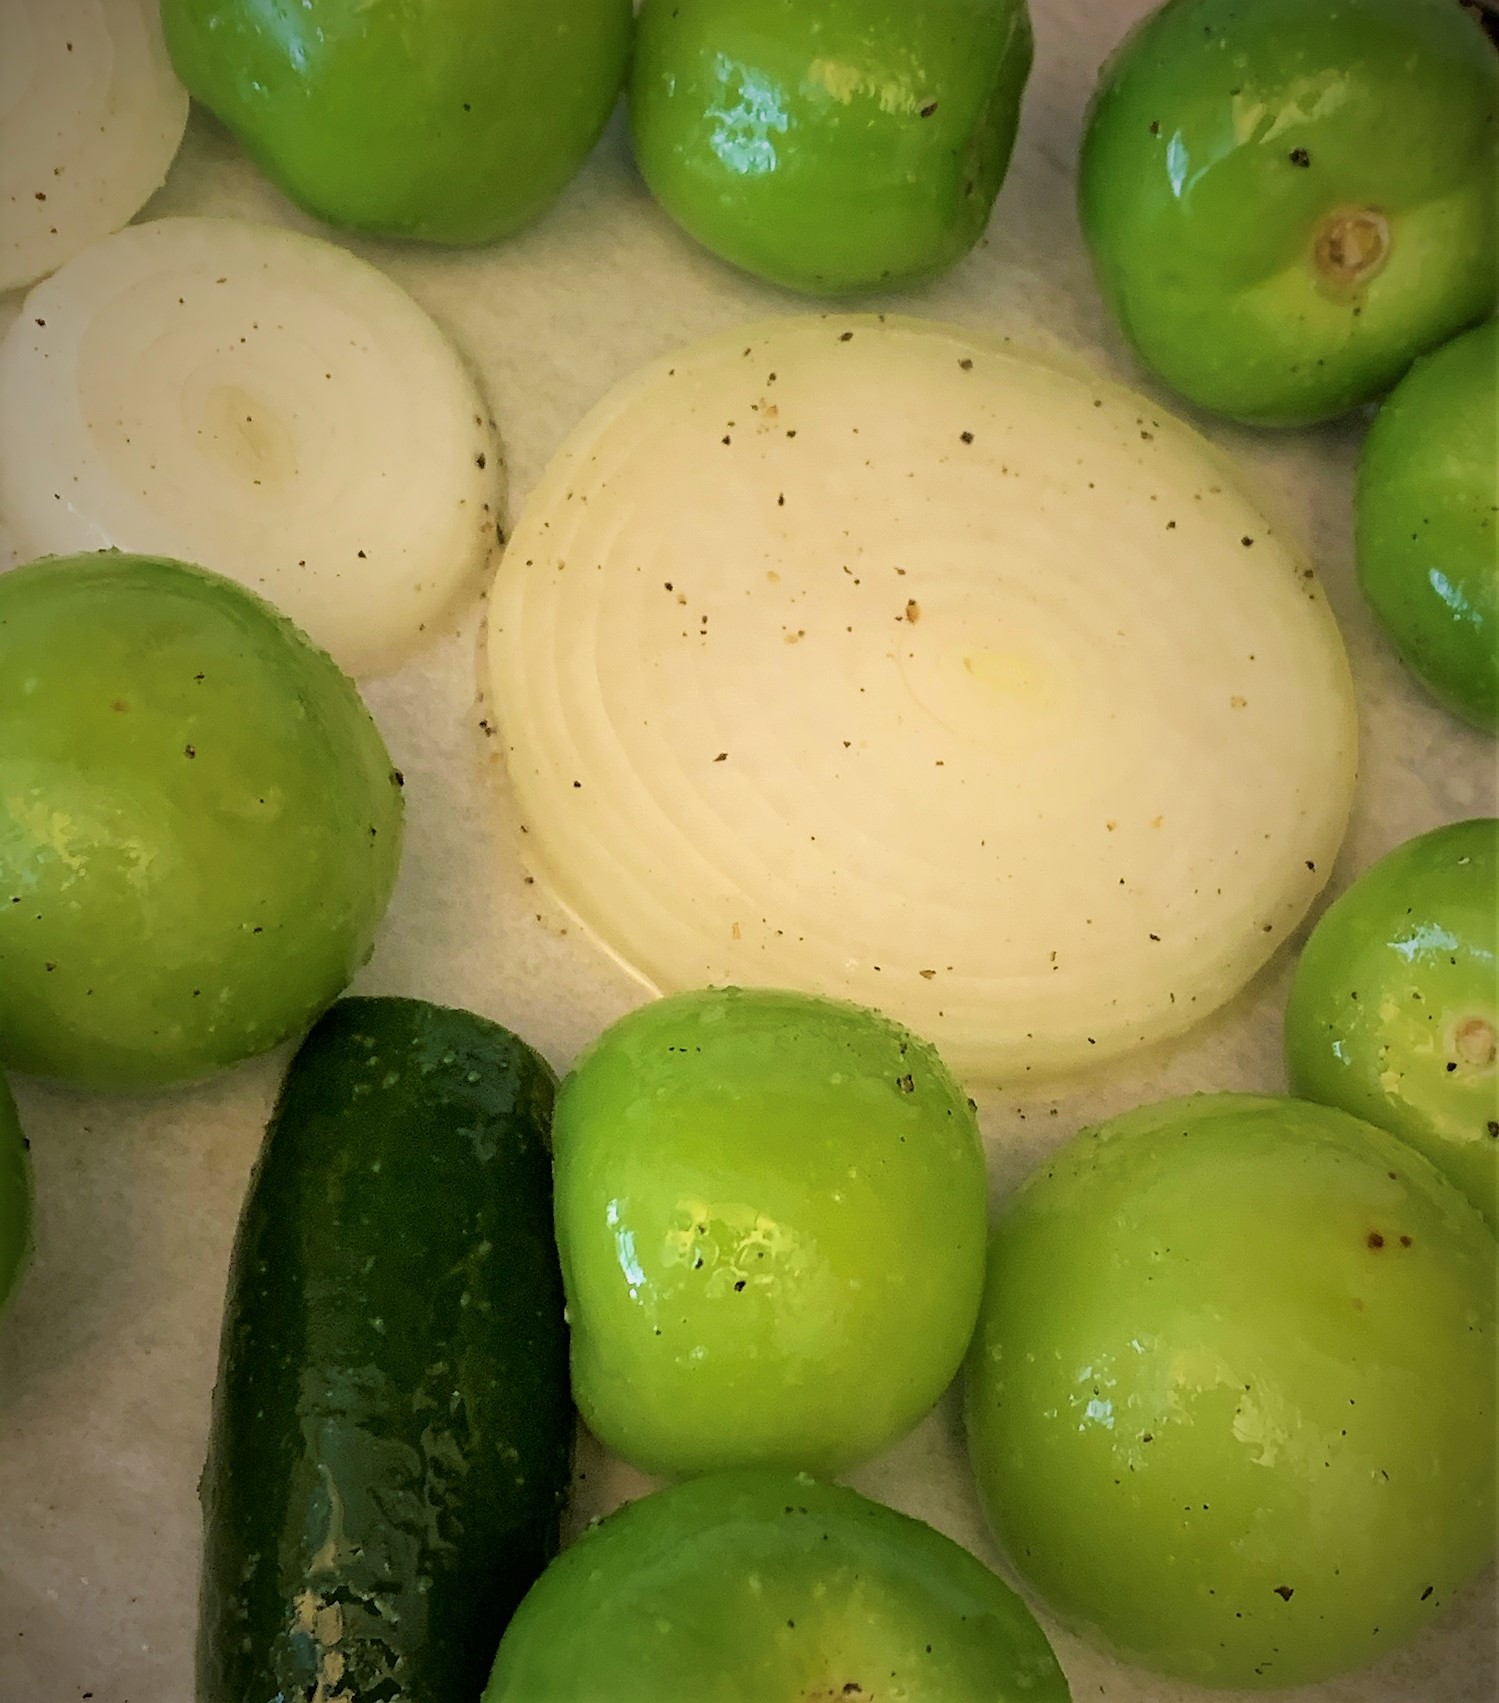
pixel 107 1359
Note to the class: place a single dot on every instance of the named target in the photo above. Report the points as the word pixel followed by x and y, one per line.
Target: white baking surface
pixel 107 1358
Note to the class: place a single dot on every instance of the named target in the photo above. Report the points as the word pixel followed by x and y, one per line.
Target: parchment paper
pixel 107 1359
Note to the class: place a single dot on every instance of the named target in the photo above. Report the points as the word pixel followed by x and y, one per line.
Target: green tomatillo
pixel 199 823
pixel 453 121
pixel 1428 523
pixel 748 1587
pixel 1394 1009
pixel 1231 1402
pixel 770 1210
pixel 835 147
pixel 1286 203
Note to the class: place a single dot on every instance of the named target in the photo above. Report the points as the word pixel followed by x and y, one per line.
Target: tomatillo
pixel 1394 1008
pixel 1287 203
pixel 834 147
pixel 1231 1402
pixel 1427 509
pixel 454 121
pixel 770 1211
pixel 200 825
pixel 752 1586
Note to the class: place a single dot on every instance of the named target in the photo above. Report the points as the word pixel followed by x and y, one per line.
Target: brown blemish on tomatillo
pixel 1349 249
pixel 1475 1042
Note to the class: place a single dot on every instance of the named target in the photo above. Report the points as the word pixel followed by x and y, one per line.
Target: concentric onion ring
pixel 263 404
pixel 869 657
pixel 91 117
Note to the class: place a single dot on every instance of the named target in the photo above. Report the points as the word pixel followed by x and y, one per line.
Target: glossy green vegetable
pixel 1395 1005
pixel 753 1587
pixel 201 825
pixel 1287 202
pixel 456 121
pixel 1428 522
pixel 391 1432
pixel 770 1209
pixel 1231 1404
pixel 15 1198
pixel 833 147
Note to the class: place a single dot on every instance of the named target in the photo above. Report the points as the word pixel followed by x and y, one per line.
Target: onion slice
pixel 868 657
pixel 261 403
pixel 91 117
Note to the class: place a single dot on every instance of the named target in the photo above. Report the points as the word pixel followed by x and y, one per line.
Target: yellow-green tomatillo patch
pixel 1231 1400
pixel 1286 203
pixel 199 823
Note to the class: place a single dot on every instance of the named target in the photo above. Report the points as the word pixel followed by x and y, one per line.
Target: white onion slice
pixel 264 404
pixel 91 117
pixel 870 658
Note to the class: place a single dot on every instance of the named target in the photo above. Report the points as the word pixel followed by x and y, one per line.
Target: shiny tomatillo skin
pixel 1427 509
pixel 769 1587
pixel 200 825
pixel 1394 1010
pixel 844 146
pixel 1286 203
pixel 1231 1400
pixel 771 1212
pixel 452 121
